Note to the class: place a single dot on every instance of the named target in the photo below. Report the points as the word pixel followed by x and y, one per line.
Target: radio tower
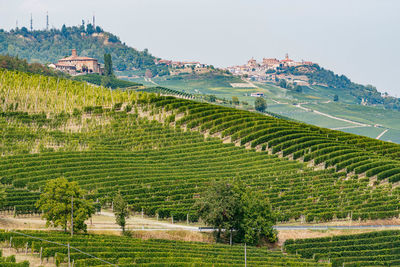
pixel 47 21
pixel 94 21
pixel 16 25
pixel 31 23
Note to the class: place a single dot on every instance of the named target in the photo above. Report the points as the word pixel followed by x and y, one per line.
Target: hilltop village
pixel 273 70
pixel 184 67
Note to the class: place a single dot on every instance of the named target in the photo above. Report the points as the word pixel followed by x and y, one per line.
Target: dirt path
pixel 333 117
pixel 381 134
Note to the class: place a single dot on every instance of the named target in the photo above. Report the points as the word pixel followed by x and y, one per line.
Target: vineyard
pixel 161 152
pixel 123 251
pixel 369 249
pixel 156 151
pixel 165 91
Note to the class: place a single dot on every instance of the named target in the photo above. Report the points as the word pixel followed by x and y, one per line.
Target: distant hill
pixel 364 94
pixel 48 46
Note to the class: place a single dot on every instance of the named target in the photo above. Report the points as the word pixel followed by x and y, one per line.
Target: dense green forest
pixel 368 93
pixel 43 46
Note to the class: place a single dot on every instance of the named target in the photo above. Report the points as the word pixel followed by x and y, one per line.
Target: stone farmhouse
pixel 76 65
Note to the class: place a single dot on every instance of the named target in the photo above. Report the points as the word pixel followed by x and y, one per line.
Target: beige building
pixel 75 64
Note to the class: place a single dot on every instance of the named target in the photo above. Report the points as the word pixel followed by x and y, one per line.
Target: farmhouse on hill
pixel 75 64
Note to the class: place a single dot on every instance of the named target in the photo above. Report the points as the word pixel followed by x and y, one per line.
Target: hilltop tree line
pixel 49 46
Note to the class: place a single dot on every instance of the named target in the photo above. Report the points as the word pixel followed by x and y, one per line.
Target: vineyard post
pixel 26 248
pixel 72 216
pixel 245 255
pixel 142 213
pixel 172 216
pixel 69 257
pixel 41 250
pixel 10 241
pixel 187 218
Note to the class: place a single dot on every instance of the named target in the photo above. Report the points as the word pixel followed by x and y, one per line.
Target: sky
pixel 357 38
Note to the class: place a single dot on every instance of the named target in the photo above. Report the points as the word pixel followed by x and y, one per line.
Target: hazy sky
pixel 358 38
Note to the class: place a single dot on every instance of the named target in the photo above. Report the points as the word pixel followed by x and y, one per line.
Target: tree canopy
pixel 121 211
pixel 230 206
pixel 260 104
pixel 56 204
pixel 108 68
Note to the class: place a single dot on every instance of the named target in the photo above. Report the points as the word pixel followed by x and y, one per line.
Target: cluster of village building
pixel 178 67
pixel 267 70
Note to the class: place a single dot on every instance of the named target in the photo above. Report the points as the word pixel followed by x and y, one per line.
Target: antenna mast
pixel 16 25
pixel 31 23
pixel 94 20
pixel 47 20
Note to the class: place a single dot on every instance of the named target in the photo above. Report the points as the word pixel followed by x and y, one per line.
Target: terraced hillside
pixel 123 251
pixel 161 152
pixel 369 249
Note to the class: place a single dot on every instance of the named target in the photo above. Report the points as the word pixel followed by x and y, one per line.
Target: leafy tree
pixel 235 100
pixel 220 206
pixel 258 218
pixel 298 88
pixel 106 81
pixel 64 30
pixel 121 211
pixel 282 83
pixel 108 69
pixel 336 98
pixel 2 195
pixel 260 104
pixel 55 202
pixel 231 206
pixel 99 29
pixel 210 98
pixel 90 29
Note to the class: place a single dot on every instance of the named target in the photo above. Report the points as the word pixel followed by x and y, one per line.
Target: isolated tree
pixel 120 211
pixel 56 204
pixel 2 195
pixel 210 98
pixel 260 104
pixel 336 98
pixel 108 68
pixel 229 205
pixel 282 83
pixel 235 100
pixel 220 206
pixel 258 218
pixel 298 88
